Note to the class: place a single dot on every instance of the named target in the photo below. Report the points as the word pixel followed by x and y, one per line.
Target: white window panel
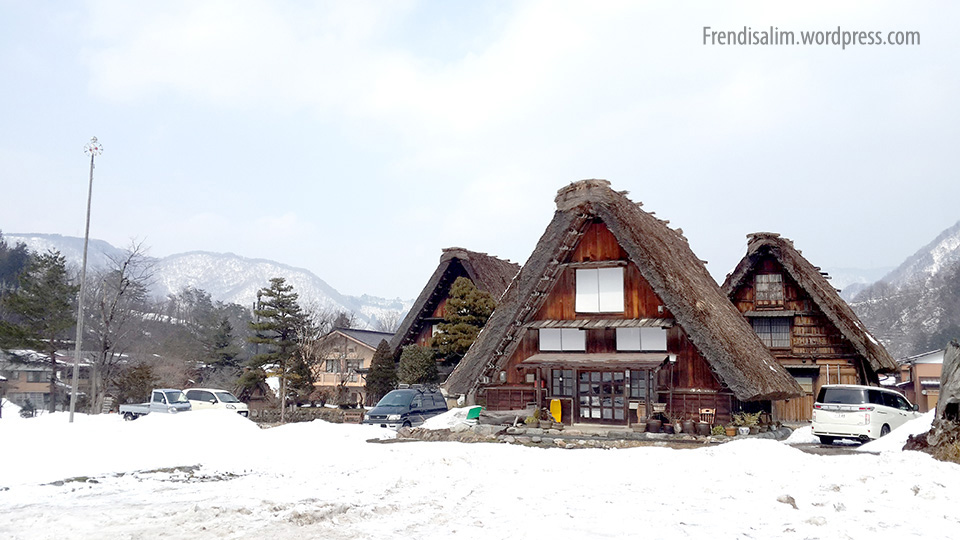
pixel 599 290
pixel 588 299
pixel 573 339
pixel 653 339
pixel 563 339
pixel 550 339
pixel 610 289
pixel 628 339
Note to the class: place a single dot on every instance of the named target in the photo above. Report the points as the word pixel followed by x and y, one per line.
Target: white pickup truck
pixel 162 400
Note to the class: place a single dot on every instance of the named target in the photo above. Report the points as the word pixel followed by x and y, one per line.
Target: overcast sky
pixel 356 139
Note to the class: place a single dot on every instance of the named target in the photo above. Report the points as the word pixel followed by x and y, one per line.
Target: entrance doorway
pixel 601 397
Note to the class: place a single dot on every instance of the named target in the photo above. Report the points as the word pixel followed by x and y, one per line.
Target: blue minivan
pixel 407 407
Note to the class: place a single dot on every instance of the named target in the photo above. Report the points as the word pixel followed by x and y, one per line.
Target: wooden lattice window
pixel 562 382
pixel 774 332
pixel 769 290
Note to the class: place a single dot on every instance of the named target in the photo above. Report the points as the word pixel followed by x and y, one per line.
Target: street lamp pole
pixel 92 149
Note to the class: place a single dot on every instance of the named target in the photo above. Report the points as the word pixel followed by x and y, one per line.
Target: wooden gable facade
pixel 615 331
pixel 488 273
pixel 801 318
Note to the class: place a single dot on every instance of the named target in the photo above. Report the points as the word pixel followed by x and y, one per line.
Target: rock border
pixel 571 438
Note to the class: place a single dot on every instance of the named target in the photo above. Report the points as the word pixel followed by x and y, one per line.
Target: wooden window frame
pixel 769 291
pixel 773 338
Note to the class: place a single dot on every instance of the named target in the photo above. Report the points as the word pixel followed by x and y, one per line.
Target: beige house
pixel 342 357
pixel 920 379
pixel 28 375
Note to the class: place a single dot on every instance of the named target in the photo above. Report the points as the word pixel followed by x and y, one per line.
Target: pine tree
pixel 382 377
pixel 135 382
pixel 279 318
pixel 467 311
pixel 13 261
pixel 224 352
pixel 417 366
pixel 42 309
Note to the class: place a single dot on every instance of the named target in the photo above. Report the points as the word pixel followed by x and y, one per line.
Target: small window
pixel 333 366
pixel 563 339
pixel 774 332
pixel 562 382
pixel 641 339
pixel 805 382
pixel 639 378
pixel 35 376
pixel 769 290
pixel 599 290
pixel 352 367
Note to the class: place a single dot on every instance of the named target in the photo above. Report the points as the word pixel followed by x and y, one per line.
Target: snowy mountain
pixel 227 277
pixel 99 253
pixel 916 307
pixel 851 281
pixel 930 260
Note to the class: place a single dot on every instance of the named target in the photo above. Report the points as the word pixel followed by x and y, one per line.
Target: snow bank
pixel 447 420
pixel 802 435
pixel 894 441
pixel 322 480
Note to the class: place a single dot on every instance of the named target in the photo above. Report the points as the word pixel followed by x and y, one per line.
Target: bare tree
pixel 115 307
pixel 388 321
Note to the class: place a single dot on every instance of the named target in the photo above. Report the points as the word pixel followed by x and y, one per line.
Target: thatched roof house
pixel 664 286
pixel 488 273
pixel 803 320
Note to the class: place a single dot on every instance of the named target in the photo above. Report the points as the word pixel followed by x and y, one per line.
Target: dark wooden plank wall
pixel 599 244
pixel 812 334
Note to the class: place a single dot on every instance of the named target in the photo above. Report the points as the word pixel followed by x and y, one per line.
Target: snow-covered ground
pixel 214 474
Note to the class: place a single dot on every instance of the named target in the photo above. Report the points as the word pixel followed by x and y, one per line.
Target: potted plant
pixel 747 423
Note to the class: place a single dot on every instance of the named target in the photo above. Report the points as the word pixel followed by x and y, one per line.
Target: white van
pixel 211 398
pixel 847 411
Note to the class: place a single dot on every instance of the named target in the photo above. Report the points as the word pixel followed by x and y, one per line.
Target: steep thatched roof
pixel 664 259
pixel 808 277
pixel 488 273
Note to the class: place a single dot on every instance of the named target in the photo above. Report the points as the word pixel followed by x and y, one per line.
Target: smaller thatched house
pixel 614 317
pixel 801 318
pixel 488 273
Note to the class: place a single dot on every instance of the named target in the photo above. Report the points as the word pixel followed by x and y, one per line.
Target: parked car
pixel 162 400
pixel 864 413
pixel 211 398
pixel 407 407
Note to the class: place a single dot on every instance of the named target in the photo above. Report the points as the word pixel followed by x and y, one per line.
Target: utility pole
pixel 92 149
